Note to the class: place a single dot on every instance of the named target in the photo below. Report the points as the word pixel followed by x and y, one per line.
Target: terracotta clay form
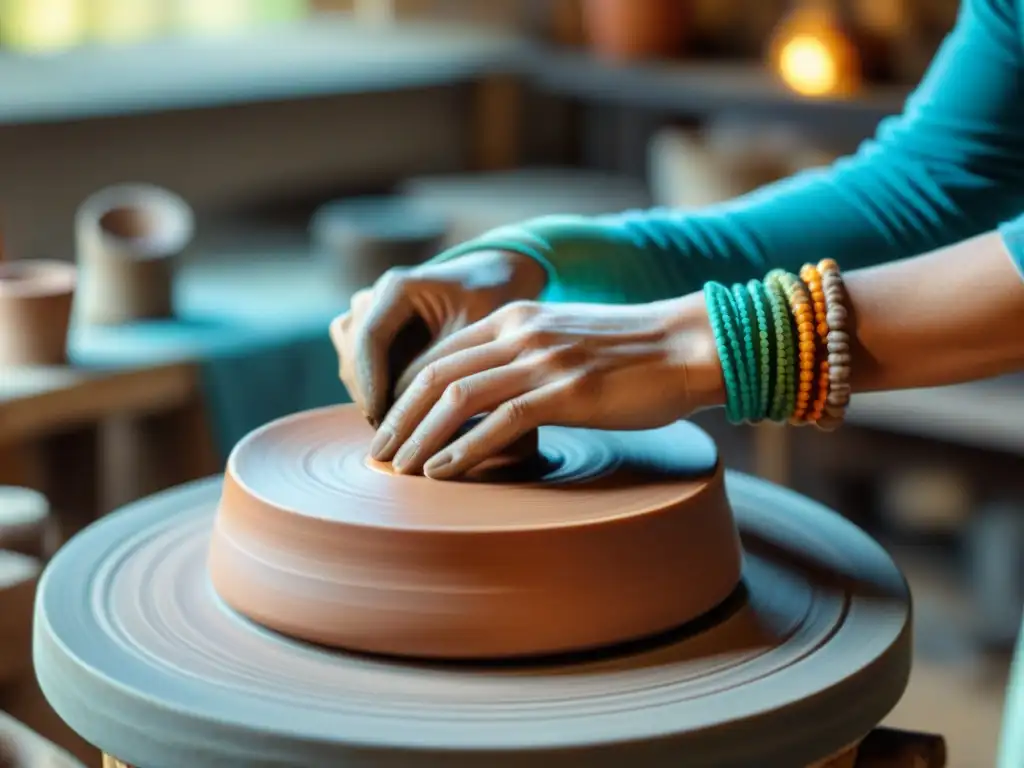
pixel 26 525
pixel 128 239
pixel 362 238
pixel 137 652
pixel 35 311
pixel 599 539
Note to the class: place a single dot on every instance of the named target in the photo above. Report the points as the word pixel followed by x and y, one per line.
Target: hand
pixel 529 364
pixel 447 296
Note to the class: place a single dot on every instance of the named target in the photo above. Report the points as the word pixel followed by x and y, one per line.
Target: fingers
pixel 506 424
pixel 429 387
pixel 477 334
pixel 387 314
pixel 462 400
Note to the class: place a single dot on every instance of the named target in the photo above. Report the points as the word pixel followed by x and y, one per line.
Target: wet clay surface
pixel 580 539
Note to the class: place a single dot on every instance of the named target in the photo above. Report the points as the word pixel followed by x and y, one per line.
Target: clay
pixel 362 238
pixel 614 537
pixel 129 239
pixel 26 525
pixel 137 653
pixel 35 311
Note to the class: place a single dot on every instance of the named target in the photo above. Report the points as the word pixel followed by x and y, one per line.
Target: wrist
pixel 527 277
pixel 697 352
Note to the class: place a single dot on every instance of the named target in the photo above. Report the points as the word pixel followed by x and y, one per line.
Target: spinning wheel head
pixel 571 539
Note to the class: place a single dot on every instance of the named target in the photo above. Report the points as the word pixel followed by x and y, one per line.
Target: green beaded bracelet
pixel 747 331
pixel 785 355
pixel 765 338
pixel 719 315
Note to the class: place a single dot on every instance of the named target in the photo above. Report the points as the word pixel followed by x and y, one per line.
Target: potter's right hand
pixel 446 296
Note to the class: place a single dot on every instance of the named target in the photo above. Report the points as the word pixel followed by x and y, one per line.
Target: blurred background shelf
pixel 698 89
pixel 332 56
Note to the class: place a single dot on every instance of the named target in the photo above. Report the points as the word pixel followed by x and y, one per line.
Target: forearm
pixel 945 170
pixel 953 315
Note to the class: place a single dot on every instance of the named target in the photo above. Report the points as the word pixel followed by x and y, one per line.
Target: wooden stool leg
pixel 158 451
pixel 69 465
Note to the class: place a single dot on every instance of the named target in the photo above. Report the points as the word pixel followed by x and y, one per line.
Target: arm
pixel 950 316
pixel 947 169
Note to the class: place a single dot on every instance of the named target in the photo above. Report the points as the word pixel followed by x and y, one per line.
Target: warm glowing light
pixel 813 56
pixel 808 66
pixel 41 25
pixel 211 16
pixel 119 21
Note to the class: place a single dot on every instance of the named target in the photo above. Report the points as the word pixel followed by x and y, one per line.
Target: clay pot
pixel 362 238
pixel 129 239
pixel 627 30
pixel 35 311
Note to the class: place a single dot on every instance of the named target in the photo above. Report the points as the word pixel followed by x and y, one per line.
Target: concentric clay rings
pixel 136 652
pixel 608 537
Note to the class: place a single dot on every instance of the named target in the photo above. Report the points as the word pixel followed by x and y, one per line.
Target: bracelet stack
pixel 784 346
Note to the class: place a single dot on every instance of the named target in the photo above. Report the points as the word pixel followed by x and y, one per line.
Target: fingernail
pixel 403 458
pixel 436 466
pixel 382 444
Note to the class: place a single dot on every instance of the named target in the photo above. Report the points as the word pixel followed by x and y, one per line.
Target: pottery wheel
pixel 136 652
pixel 591 539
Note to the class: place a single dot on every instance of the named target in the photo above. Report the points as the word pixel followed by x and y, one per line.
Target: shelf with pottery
pixel 331 56
pixel 702 88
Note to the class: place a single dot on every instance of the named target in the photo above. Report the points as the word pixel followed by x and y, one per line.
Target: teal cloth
pixel 259 332
pixel 950 167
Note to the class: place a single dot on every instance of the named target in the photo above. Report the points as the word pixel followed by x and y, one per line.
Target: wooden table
pixel 56 422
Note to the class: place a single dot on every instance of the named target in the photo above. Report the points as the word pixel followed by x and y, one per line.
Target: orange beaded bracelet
pixel 812 280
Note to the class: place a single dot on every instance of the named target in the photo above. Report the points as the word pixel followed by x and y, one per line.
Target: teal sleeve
pixel 948 168
pixel 1013 235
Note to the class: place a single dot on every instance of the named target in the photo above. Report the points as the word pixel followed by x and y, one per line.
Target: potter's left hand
pixel 529 364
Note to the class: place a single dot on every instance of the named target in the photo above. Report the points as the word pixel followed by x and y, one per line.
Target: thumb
pixel 391 310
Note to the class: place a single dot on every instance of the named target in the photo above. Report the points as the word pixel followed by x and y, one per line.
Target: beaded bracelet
pixel 803 319
pixel 717 299
pixel 811 278
pixel 766 362
pixel 838 345
pixel 749 331
pixel 783 346
pixel 784 394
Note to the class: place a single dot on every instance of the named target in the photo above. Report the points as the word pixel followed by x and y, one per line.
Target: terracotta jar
pixel 35 311
pixel 628 30
pixel 129 240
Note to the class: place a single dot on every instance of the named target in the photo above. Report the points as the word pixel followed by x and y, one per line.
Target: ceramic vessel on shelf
pixel 627 30
pixel 35 311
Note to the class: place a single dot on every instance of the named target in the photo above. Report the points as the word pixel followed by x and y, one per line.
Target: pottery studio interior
pixel 317 224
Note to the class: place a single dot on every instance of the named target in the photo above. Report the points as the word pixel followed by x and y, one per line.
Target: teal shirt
pixel 950 167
